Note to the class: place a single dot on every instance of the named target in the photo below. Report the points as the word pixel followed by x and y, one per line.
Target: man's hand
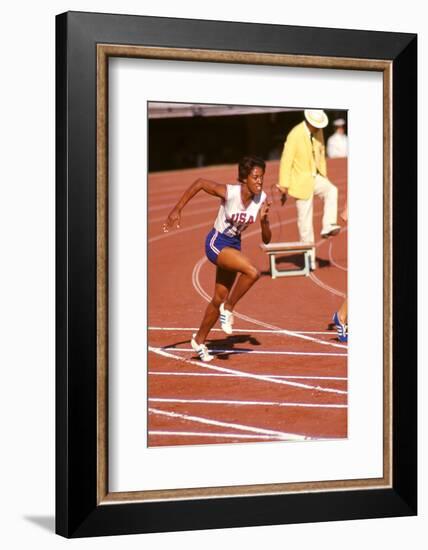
pixel 283 193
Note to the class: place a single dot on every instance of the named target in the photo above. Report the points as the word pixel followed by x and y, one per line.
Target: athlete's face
pixel 255 180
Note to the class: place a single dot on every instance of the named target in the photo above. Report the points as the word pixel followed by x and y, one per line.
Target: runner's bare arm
pixel 264 223
pixel 201 184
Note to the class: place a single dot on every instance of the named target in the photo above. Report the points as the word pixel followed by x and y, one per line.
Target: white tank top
pixel 233 217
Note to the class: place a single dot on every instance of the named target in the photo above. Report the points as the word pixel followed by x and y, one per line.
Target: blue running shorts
pixel 215 242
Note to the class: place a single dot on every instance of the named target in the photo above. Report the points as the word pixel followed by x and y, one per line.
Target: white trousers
pixel 305 222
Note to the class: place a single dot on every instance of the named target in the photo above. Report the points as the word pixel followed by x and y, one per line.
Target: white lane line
pixel 320 283
pixel 160 219
pixel 248 403
pixel 325 286
pixel 237 351
pixel 202 199
pixel 201 292
pixel 156 178
pixel 280 376
pixel 255 330
pixel 213 434
pixel 332 261
pixel 206 224
pixel 159 199
pixel 258 377
pixel 243 428
pixel 216 435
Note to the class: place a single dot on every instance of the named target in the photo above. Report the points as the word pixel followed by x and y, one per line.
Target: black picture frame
pixel 78 510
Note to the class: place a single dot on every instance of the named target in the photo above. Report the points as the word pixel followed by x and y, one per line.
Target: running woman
pixel 239 208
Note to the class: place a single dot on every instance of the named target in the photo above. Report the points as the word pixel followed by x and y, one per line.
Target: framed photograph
pixel 226 194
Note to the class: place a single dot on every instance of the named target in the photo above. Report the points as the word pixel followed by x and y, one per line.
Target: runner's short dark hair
pixel 246 164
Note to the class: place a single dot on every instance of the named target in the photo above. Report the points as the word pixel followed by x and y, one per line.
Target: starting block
pixel 282 249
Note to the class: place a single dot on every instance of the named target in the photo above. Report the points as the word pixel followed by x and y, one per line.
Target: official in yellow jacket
pixel 303 174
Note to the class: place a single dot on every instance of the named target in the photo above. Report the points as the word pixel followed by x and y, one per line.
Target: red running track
pixel 282 375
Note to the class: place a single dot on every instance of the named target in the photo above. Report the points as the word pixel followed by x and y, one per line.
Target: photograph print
pixel 247 274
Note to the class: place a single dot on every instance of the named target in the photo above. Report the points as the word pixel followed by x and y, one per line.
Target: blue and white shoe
pixel 201 350
pixel 341 328
pixel 226 320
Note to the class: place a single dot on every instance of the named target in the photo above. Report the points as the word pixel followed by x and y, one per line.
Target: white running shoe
pixel 226 320
pixel 201 350
pixel 332 231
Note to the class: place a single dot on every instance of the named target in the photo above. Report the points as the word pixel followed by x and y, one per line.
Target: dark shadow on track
pixel 295 261
pixel 323 263
pixel 227 343
pixel 230 342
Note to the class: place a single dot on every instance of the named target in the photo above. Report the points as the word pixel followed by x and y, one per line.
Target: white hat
pixel 339 122
pixel 316 117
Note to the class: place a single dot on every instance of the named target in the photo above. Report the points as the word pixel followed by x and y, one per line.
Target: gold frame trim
pixel 104 51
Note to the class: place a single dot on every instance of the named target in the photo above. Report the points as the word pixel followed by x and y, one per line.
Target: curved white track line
pixel 324 286
pixel 332 261
pixel 317 281
pixel 203 294
pixel 259 377
pixel 278 330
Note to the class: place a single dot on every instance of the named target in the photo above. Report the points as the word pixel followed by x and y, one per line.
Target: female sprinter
pixel 239 208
